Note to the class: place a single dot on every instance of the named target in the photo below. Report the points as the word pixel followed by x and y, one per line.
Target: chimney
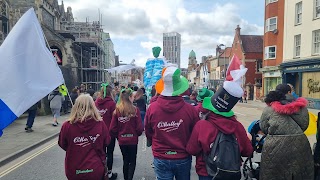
pixel 218 51
pixel 238 30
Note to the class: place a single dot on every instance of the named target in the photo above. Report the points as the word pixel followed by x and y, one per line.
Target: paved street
pixel 47 161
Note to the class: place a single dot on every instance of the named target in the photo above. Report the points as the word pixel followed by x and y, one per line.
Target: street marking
pixel 144 144
pixel 16 166
pixel 240 114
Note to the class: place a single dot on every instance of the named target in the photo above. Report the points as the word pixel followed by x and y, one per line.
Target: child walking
pixel 126 126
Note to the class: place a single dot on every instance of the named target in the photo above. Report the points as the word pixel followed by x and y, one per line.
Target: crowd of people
pixel 178 124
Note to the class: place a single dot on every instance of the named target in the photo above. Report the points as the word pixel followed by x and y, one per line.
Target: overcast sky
pixel 135 26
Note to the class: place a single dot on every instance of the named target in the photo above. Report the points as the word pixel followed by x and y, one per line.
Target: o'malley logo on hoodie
pixel 84 141
pixel 169 126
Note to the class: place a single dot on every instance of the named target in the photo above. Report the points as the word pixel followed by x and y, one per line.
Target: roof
pixel 192 54
pixel 252 43
pixel 226 52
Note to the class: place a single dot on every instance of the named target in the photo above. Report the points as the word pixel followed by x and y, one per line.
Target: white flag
pixel 28 70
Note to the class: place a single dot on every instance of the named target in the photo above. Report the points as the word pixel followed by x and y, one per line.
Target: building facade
pixel 273 45
pixel 172 47
pixel 301 65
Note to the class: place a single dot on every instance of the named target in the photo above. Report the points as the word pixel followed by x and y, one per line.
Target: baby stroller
pixel 251 169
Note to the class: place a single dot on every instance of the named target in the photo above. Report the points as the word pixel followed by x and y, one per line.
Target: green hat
pixel 220 103
pixel 204 92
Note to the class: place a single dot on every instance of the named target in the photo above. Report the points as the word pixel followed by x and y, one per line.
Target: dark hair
pixel 284 88
pixel 143 89
pixel 279 94
pixel 135 88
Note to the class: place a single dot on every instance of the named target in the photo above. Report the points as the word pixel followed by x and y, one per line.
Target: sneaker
pixel 29 130
pixel 113 176
pixel 26 128
pixel 55 124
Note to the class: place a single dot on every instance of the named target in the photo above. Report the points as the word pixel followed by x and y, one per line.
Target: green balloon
pixel 156 51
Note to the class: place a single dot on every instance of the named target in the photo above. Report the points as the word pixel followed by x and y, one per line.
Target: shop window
pixel 316 42
pixel 93 52
pixel 298 19
pixel 270 52
pixel 271 24
pixel 316 9
pixel 297 45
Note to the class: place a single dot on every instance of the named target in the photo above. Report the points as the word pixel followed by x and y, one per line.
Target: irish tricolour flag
pixel 28 70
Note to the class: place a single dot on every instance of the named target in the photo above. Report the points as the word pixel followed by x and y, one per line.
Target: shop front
pixel 272 76
pixel 305 77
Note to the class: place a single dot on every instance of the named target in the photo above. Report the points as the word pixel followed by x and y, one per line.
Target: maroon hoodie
pixel 106 107
pixel 82 161
pixel 168 123
pixel 204 133
pixel 125 129
pixel 200 109
pixel 153 99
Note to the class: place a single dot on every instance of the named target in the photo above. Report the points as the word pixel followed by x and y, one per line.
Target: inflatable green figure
pixel 156 51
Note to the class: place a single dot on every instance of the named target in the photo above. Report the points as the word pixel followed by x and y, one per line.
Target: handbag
pixel 105 176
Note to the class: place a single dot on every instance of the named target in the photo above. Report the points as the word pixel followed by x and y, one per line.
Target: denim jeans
pixel 31 115
pixel 205 177
pixel 143 113
pixel 168 169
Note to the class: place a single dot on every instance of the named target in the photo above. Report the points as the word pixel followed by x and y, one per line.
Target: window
pixel 270 52
pixel 271 24
pixel 270 1
pixel 94 62
pixel 297 45
pixel 317 9
pixel 93 52
pixel 259 65
pixel 316 41
pixel 298 13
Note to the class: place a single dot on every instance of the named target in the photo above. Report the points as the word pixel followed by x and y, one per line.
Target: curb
pixel 21 152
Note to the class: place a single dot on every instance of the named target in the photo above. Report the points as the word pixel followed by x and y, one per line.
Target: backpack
pixel 224 160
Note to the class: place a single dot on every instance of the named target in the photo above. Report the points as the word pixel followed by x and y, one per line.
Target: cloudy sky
pixel 135 26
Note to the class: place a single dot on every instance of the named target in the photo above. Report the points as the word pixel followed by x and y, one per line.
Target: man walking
pixel 32 112
pixel 168 125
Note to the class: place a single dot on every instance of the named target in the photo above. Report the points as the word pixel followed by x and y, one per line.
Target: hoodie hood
pixel 101 101
pixel 170 103
pixel 85 126
pixel 225 125
pixel 289 107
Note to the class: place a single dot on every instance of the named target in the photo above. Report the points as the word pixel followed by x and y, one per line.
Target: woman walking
pixel 141 103
pixel 84 137
pixel 56 99
pixel 106 106
pixel 126 125
pixel 286 152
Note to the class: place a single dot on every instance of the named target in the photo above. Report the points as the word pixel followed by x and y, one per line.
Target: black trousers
pixel 129 154
pixel 110 149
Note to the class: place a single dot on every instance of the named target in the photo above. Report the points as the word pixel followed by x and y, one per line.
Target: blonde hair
pixel 83 109
pixel 125 106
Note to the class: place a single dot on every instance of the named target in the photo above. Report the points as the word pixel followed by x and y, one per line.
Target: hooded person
pixel 219 119
pixel 286 152
pixel 168 124
pixel 204 92
pixel 84 137
pixel 106 105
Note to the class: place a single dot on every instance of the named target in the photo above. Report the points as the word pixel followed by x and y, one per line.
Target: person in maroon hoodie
pixel 220 119
pixel 168 124
pixel 204 92
pixel 126 126
pixel 106 105
pixel 84 137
